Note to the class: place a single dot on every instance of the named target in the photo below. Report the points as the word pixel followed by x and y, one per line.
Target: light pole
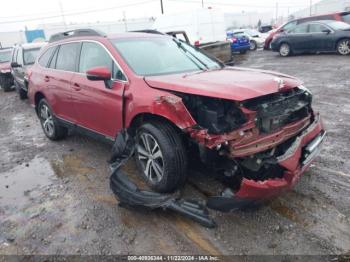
pixel 161 6
pixel 310 7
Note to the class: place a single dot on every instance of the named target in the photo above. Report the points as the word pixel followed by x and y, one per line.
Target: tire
pixel 52 129
pixel 22 93
pixel 6 84
pixel 164 163
pixel 343 47
pixel 285 50
pixel 253 45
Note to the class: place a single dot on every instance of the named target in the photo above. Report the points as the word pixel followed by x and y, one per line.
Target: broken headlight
pixel 217 115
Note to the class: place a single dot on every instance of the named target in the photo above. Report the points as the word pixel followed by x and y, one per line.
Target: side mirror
pixel 99 74
pixel 15 65
pixel 327 31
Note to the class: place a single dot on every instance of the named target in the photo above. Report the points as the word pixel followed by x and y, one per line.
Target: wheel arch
pixel 145 117
pixel 37 98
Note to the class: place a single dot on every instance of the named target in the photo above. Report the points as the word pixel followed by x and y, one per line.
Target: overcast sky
pixel 16 14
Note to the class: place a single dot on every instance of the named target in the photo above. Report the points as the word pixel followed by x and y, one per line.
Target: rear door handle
pixel 76 87
pixel 46 78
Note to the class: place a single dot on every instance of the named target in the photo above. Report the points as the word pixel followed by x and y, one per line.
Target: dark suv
pixel 6 80
pixel 255 127
pixel 23 57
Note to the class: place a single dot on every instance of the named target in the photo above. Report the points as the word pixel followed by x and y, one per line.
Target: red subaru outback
pixel 255 127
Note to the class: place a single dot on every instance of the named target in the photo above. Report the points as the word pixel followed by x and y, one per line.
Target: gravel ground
pixel 55 196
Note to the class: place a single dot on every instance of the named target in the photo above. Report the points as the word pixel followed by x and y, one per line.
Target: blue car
pixel 239 42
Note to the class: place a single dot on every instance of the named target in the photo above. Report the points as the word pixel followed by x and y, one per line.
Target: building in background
pixel 323 7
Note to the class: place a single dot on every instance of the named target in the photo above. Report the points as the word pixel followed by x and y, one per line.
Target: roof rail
pixel 74 33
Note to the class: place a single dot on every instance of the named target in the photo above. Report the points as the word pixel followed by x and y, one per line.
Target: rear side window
pixel 45 58
pixel 317 28
pixel 67 57
pixel 94 55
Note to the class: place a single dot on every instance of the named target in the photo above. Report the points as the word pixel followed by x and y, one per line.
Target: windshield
pixel 162 55
pixel 339 25
pixel 5 56
pixel 252 32
pixel 29 55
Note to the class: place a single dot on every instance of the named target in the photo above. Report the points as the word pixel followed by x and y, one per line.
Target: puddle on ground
pixel 287 212
pixel 18 183
pixel 71 165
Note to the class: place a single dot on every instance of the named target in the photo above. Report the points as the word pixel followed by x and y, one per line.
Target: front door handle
pixel 46 78
pixel 76 87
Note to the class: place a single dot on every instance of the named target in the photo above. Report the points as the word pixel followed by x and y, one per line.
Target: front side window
pixel 67 57
pixel 29 55
pixel 45 58
pixel 5 56
pixel 19 58
pixel 300 29
pixel 94 55
pixel 162 55
pixel 289 26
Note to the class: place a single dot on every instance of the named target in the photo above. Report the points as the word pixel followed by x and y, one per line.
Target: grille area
pixel 277 110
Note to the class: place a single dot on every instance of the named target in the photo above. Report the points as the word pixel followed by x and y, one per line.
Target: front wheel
pixel 161 156
pixel 253 45
pixel 285 50
pixel 49 124
pixel 343 47
pixel 22 93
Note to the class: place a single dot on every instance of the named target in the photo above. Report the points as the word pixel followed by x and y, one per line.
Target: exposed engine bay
pixel 279 109
pixel 271 113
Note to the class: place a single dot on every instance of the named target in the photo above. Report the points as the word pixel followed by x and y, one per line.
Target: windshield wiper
pixel 179 44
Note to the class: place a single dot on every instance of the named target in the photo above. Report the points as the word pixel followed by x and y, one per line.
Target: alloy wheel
pixel 284 50
pixel 150 157
pixel 344 47
pixel 47 120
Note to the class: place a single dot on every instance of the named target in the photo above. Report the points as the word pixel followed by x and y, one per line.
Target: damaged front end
pixel 261 145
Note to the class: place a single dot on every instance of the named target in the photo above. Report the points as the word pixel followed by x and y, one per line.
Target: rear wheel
pixel 52 129
pixel 161 156
pixel 285 50
pixel 343 47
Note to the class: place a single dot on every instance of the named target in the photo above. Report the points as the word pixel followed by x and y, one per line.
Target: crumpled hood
pixel 5 66
pixel 231 83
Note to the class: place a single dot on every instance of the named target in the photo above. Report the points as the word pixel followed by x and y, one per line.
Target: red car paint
pixel 272 187
pixel 89 104
pixel 333 16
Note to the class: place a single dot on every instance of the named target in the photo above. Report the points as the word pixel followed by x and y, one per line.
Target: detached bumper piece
pixel 129 195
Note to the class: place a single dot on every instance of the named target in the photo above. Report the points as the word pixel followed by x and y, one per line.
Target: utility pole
pixel 62 14
pixel 161 6
pixel 125 23
pixel 276 21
